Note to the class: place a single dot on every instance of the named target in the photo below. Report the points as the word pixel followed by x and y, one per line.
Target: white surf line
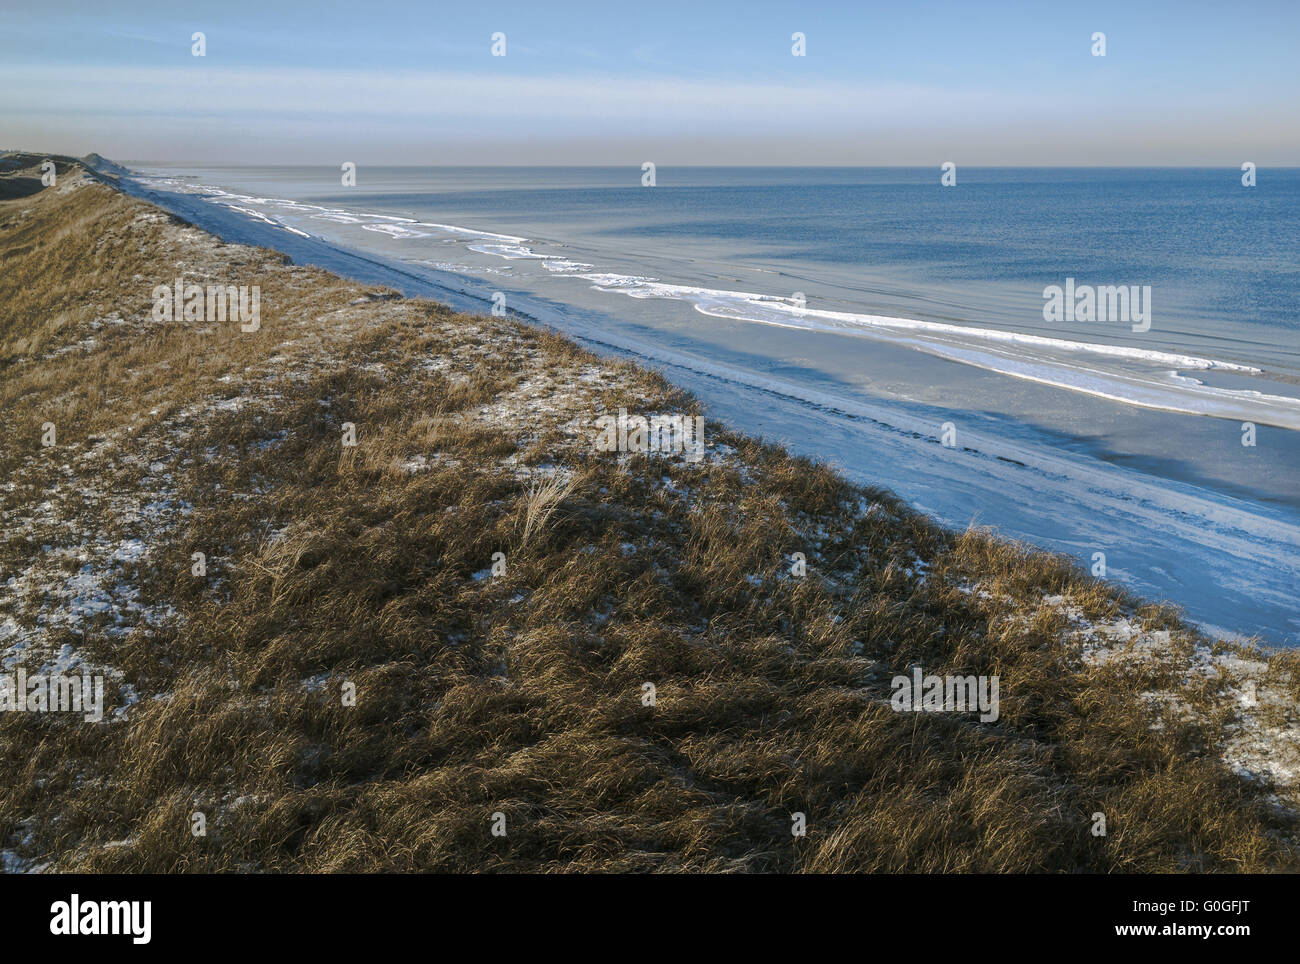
pixel 471 232
pixel 395 230
pixel 792 314
pixel 341 215
pixel 511 252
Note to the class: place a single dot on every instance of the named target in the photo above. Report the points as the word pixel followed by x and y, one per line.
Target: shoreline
pixel 1196 541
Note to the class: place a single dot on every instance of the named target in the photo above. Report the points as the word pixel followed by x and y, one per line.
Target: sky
pixel 892 83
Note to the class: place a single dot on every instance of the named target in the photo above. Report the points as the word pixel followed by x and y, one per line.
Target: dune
pixel 365 596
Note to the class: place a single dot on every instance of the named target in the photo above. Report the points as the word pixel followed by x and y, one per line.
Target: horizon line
pixel 637 164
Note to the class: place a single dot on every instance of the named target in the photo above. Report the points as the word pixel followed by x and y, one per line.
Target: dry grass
pixel 331 569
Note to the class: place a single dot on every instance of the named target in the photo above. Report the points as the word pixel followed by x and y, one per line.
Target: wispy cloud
pixel 291 114
pixel 478 96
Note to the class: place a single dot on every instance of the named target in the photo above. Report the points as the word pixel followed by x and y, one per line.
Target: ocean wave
pixel 471 232
pixel 561 266
pixel 514 252
pixel 395 230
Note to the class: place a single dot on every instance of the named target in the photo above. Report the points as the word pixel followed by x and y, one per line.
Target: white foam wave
pixel 471 233
pixel 395 230
pixel 339 217
pixel 561 266
pixel 512 252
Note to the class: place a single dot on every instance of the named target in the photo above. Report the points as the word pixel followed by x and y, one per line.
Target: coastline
pixel 500 696
pixel 1209 543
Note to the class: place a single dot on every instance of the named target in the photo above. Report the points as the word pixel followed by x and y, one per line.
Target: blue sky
pixel 611 83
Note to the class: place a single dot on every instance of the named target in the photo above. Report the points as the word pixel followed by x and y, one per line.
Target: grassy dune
pixel 333 568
